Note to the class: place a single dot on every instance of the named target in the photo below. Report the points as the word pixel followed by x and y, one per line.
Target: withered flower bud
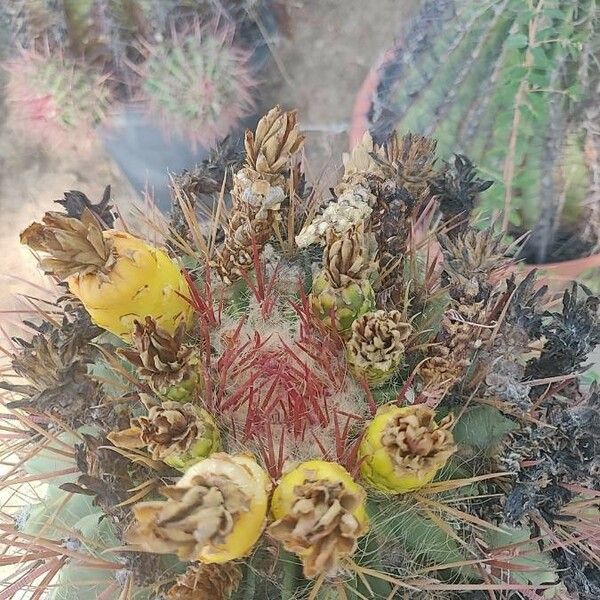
pixel 376 347
pixel 215 513
pixel 206 582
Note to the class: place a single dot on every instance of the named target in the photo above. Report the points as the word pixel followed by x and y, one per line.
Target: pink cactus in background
pixel 54 98
pixel 199 84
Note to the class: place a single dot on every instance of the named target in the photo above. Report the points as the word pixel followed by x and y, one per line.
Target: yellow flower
pixel 143 281
pixel 215 513
pixel 320 514
pixel 403 448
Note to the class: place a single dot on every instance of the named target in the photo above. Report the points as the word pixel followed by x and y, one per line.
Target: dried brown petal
pixel 412 160
pixel 259 189
pixel 416 443
pixel 72 245
pixel 472 262
pixel 276 140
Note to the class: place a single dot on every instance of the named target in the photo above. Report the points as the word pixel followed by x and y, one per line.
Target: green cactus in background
pixel 199 85
pixel 53 95
pixel 512 84
pixel 84 56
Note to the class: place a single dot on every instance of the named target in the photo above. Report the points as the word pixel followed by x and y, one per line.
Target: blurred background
pixel 124 92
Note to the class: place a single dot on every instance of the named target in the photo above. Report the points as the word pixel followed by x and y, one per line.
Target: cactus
pixel 54 96
pixel 199 85
pixel 84 56
pixel 468 463
pixel 510 83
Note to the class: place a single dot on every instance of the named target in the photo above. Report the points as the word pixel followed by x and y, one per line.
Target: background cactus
pixel 52 95
pixel 87 55
pixel 198 84
pixel 513 84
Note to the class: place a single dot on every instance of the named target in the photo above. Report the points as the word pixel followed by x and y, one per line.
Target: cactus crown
pixel 365 394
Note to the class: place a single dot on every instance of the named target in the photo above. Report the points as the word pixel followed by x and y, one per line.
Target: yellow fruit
pixel 245 472
pixel 403 448
pixel 143 281
pixel 319 514
pixel 215 513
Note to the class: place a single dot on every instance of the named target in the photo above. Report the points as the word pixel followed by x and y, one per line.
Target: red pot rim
pixel 366 94
pixel 567 270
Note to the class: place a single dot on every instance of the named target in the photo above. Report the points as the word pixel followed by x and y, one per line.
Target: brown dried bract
pixel 416 443
pixel 74 246
pixel 207 582
pixel 320 526
pixel 472 263
pixel 277 139
pixel 411 159
pixel 159 356
pixel 259 189
pixel 345 257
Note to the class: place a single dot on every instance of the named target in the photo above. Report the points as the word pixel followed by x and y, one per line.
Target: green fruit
pixel 203 447
pixel 347 303
pixel 183 391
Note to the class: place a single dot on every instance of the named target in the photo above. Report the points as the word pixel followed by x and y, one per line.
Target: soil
pixel 318 69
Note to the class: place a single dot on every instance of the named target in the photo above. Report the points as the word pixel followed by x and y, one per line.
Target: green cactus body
pixel 54 96
pixel 375 377
pixel 503 82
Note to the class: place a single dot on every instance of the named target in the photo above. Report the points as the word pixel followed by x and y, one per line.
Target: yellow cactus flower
pixel 215 513
pixel 119 278
pixel 403 448
pixel 320 514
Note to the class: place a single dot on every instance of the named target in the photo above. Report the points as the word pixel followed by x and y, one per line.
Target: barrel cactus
pixel 199 85
pixel 193 64
pixel 513 85
pixel 441 445
pixel 53 96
